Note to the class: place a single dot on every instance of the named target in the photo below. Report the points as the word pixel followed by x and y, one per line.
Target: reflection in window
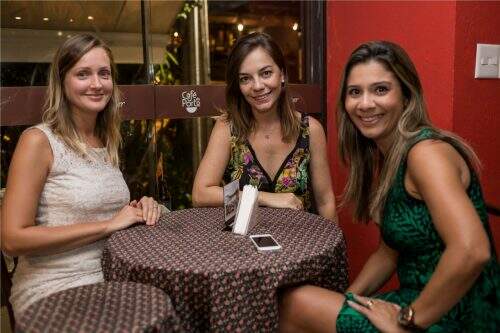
pixel 232 19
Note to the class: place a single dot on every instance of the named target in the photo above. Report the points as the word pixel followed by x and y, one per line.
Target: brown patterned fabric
pixel 102 307
pixel 217 280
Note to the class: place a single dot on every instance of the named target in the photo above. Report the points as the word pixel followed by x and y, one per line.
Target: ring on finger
pixel 369 304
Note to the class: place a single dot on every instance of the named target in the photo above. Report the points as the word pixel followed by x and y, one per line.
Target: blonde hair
pixel 371 174
pixel 239 112
pixel 57 114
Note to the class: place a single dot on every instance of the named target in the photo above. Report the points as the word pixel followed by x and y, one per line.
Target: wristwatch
pixel 406 319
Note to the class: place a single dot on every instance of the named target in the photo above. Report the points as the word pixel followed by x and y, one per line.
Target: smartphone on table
pixel 265 243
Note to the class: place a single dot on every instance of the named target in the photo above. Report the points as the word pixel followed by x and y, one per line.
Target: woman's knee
pixel 311 308
pixel 293 302
pixel 294 299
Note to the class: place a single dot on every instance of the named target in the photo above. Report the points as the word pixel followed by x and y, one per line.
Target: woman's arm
pixel 376 271
pixel 206 187
pixel 440 176
pixel 320 172
pixel 280 200
pixel 28 172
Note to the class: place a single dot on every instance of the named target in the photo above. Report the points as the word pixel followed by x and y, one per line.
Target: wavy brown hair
pixel 239 112
pixel 370 173
pixel 57 113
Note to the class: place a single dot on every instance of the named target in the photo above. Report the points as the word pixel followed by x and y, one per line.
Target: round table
pixel 102 307
pixel 217 280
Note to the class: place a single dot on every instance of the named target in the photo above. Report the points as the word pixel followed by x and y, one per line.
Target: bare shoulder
pixel 317 139
pixel 35 141
pixel 434 151
pixel 33 151
pixel 221 127
pixel 219 138
pixel 430 159
pixel 315 128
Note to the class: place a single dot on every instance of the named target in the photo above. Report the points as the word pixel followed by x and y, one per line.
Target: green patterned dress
pixel 292 177
pixel 407 227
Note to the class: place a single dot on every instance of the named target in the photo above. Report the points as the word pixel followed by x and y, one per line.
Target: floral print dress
pixel 292 177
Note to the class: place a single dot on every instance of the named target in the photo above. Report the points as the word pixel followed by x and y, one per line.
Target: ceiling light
pixel 240 27
pixel 59 33
pixel 45 19
pixel 90 18
pixel 295 26
pixel 17 17
pixel 71 20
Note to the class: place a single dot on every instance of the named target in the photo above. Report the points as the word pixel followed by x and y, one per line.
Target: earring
pixel 282 82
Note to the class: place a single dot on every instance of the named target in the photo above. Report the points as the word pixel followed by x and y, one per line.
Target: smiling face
pixel 260 81
pixel 374 101
pixel 88 85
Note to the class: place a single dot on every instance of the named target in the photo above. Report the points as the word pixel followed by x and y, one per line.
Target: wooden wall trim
pixel 24 105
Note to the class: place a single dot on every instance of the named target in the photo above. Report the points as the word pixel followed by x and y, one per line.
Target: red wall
pixel 476 103
pixel 433 34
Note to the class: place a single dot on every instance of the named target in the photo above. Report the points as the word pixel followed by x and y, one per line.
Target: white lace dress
pixel 77 190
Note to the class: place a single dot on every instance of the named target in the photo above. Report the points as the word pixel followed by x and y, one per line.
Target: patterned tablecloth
pixel 217 281
pixel 102 307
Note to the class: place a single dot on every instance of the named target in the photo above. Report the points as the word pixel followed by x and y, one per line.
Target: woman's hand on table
pixel 280 200
pixel 126 217
pixel 151 210
pixel 383 315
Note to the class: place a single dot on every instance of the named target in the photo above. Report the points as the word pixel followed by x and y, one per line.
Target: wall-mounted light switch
pixel 487 60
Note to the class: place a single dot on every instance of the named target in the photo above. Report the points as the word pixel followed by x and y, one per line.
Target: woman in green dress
pixel 420 185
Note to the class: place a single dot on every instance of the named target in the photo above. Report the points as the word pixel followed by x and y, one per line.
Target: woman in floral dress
pixel 261 140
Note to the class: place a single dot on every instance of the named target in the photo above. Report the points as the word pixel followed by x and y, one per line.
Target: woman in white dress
pixel 65 192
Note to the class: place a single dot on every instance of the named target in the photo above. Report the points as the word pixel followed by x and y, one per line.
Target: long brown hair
pixel 239 113
pixel 370 173
pixel 57 114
